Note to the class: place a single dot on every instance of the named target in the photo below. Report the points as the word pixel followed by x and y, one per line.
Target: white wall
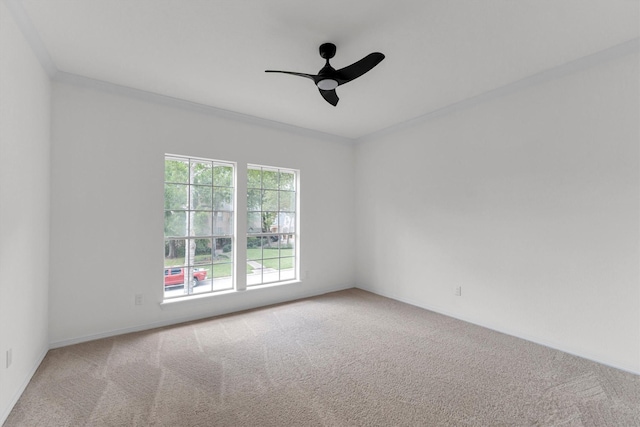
pixel 529 202
pixel 24 211
pixel 107 210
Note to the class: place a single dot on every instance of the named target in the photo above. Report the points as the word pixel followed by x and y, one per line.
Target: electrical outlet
pixel 9 357
pixel 138 299
pixel 458 291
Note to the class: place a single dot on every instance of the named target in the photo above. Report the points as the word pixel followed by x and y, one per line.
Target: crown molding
pixel 31 35
pixel 42 54
pixel 33 38
pixel 583 63
pixel 152 97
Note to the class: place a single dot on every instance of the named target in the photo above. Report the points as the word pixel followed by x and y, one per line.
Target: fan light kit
pixel 327 84
pixel 328 78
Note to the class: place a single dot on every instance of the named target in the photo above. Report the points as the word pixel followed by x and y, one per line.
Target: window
pixel 198 226
pixel 271 225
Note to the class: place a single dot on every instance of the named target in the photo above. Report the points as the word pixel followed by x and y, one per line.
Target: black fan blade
pixel 309 76
pixel 330 96
pixel 355 70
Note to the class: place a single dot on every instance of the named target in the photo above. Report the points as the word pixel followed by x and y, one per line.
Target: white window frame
pixel 289 235
pixel 190 235
pixel 240 232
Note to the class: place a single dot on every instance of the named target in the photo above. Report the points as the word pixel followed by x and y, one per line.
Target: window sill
pixel 193 299
pixel 272 285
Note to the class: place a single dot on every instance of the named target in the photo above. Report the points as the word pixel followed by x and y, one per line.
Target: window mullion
pixel 188 285
pixel 241 227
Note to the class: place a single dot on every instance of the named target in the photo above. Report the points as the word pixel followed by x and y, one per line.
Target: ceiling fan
pixel 328 78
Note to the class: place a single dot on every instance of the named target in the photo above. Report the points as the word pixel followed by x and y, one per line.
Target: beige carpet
pixel 348 358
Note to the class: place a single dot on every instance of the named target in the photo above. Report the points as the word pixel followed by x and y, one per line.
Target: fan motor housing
pixel 327 50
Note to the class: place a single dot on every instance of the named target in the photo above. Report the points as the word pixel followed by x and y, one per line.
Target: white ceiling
pixel 214 52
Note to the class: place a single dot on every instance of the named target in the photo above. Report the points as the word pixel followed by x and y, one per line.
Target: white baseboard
pixel 176 321
pixel 23 386
pixel 535 340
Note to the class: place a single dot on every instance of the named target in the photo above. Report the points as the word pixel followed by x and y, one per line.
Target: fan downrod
pixel 327 50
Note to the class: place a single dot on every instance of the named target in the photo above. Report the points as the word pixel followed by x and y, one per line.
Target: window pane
pixel 287 273
pixel 202 173
pixel 223 176
pixel 254 248
pixel 254 178
pixel 287 181
pixel 270 273
pixel 287 263
pixel 201 198
pixel 269 222
pixel 223 223
pixel 176 171
pixel 224 251
pixel 269 200
pixel 270 179
pixel 270 247
pixel 174 252
pixel 254 222
pixel 203 254
pixel 271 263
pixel 254 200
pixel 287 247
pixel 286 222
pixel 254 277
pixel 222 270
pixel 223 284
pixel 175 223
pixel 202 275
pixel 223 199
pixel 202 224
pixel 203 286
pixel 287 201
pixel 222 277
pixel 174 281
pixel 175 196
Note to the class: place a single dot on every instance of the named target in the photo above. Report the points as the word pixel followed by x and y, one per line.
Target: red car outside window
pixel 175 276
